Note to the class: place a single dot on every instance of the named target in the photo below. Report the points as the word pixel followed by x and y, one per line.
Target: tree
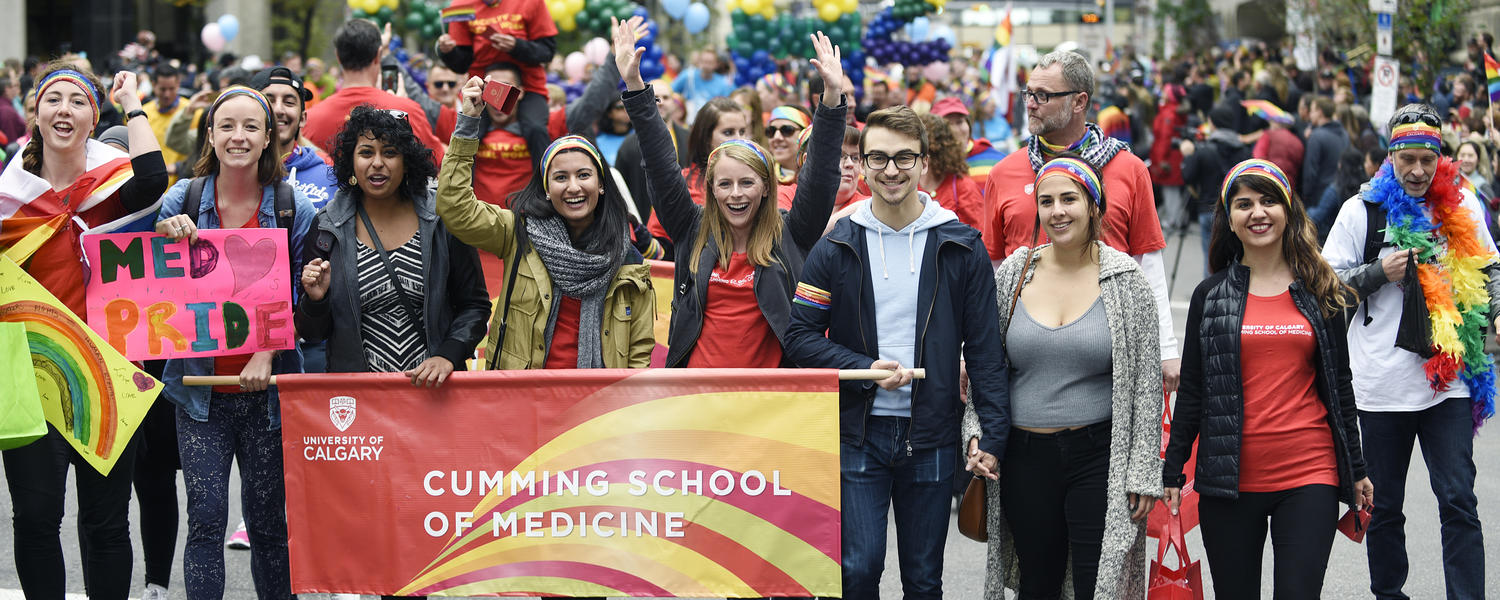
pixel 1197 27
pixel 1422 30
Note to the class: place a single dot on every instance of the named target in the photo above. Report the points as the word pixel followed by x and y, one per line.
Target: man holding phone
pixel 483 33
pixel 358 45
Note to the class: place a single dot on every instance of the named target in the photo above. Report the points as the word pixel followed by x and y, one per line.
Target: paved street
pixel 964 568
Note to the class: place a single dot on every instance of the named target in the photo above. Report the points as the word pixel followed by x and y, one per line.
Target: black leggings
pixel 1302 521
pixel 37 475
pixel 1052 489
pixel 156 466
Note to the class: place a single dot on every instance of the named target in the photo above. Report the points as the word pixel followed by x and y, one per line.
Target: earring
pixel 353 181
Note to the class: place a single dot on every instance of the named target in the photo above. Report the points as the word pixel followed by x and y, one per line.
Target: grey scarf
pixel 577 274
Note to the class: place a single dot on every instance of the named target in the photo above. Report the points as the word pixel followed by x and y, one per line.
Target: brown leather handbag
pixel 972 512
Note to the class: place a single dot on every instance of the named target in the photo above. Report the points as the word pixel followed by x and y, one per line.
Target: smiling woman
pixel 238 184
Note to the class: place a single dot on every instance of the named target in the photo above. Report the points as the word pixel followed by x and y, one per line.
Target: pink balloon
pixel 596 51
pixel 936 71
pixel 212 37
pixel 575 65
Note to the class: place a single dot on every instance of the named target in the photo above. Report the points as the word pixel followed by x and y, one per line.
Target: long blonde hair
pixel 765 229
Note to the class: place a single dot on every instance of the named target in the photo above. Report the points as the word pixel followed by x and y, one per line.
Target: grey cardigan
pixel 1135 438
pixel 455 307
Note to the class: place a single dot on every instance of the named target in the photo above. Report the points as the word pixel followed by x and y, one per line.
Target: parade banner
pixel 228 293
pixel 654 483
pixel 89 393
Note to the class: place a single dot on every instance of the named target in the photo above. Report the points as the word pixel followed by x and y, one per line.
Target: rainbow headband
pixel 569 142
pixel 1256 167
pixel 777 82
pixel 788 113
pixel 1076 170
pixel 240 90
pixel 76 78
pixel 1420 136
pixel 744 144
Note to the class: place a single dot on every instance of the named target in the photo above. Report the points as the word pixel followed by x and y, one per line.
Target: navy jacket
pixel 957 304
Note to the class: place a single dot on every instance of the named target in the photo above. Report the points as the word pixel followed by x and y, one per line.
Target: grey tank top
pixel 1060 376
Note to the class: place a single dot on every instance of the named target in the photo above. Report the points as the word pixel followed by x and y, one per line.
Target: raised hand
pixel 471 97
pixel 123 91
pixel 385 41
pixel 830 65
pixel 446 44
pixel 629 62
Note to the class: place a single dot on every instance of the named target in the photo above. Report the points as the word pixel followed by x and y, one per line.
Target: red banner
pixel 651 483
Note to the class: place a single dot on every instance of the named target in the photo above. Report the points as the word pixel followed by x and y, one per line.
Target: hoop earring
pixel 353 181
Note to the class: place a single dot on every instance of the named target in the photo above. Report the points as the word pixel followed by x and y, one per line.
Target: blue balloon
pixel 640 11
pixel 229 26
pixel 653 52
pixel 760 57
pixel 696 19
pixel 918 29
pixel 675 8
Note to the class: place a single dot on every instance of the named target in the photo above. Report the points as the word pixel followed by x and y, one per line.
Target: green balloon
pixel 359 14
pixel 415 20
pixel 732 41
pixel 385 13
pixel 432 30
pixel 738 17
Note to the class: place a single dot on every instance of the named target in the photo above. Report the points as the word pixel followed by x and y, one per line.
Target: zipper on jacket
pixel 859 302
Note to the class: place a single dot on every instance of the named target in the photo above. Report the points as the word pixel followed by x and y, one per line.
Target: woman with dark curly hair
pixel 385 283
pixel 947 177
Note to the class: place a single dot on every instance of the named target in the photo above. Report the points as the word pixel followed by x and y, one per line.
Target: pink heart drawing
pixel 249 263
pixel 143 381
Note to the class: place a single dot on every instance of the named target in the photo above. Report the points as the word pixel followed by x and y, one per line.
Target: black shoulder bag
pixel 385 262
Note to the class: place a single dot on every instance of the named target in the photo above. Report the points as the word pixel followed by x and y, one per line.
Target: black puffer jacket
pixel 1210 398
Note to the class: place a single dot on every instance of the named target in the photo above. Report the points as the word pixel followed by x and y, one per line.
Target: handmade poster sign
pixel 228 293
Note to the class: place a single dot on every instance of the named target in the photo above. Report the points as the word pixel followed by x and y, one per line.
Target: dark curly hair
pixel 386 127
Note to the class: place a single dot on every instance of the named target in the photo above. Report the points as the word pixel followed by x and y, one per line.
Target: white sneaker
pixel 154 592
pixel 239 540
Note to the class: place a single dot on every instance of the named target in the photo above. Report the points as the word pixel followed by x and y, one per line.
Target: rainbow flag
pixel 1492 75
pixel 31 211
pixel 874 73
pixel 457 14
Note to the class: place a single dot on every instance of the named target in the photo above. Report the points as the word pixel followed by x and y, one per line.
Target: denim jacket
pixel 194 399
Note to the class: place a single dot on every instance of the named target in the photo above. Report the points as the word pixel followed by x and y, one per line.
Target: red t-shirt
pixel 326 119
pixel 1285 441
pixel 785 194
pixel 502 165
pixel 1130 220
pixel 524 19
pixel 563 353
pixel 232 365
pixel 735 333
pixel 959 194
pixel 695 191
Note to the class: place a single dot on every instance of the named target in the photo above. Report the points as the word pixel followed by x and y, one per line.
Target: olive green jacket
pixel 629 304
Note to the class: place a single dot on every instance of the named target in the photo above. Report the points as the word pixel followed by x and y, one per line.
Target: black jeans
pixel 1447 438
pixel 1052 489
pixel 156 466
pixel 1302 522
pixel 531 114
pixel 37 476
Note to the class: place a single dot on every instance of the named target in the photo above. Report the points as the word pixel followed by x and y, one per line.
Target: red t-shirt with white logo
pixel 735 333
pixel 1285 442
pixel 524 19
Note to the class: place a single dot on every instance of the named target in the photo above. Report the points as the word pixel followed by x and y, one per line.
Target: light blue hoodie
pixel 895 270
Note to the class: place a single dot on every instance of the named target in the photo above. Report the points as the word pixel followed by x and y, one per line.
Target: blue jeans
pixel 1448 448
pixel 237 429
pixel 878 474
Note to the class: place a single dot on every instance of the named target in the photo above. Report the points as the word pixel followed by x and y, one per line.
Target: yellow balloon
pixel 731 5
pixel 850 6
pixel 769 13
pixel 392 4
pixel 830 11
pixel 369 6
pixel 573 6
pixel 753 6
pixel 566 23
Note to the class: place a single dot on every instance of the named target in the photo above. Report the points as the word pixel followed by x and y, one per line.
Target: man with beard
pixel 1057 98
pixel 933 294
pixel 1436 388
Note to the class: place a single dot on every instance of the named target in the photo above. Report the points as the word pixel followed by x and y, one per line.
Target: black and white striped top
pixel 392 338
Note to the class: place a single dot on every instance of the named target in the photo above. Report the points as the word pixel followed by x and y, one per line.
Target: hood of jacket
pixel 304 158
pixel 932 215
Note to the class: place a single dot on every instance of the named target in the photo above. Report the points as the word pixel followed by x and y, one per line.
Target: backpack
pixel 1374 239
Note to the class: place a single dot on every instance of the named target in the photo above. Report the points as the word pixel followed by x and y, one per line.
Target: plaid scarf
pixel 1095 147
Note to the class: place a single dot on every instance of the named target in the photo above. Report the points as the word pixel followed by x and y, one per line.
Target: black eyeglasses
pixel 1045 97
pixel 444 84
pixel 1431 120
pixel 904 160
pixel 787 131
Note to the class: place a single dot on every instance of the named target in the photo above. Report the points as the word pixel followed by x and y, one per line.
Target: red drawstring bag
pixel 1182 583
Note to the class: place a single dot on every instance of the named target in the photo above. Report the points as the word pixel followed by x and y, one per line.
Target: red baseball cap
pixel 949 106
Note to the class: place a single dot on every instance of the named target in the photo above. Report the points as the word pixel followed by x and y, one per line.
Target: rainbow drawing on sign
pixel 65 360
pixel 90 393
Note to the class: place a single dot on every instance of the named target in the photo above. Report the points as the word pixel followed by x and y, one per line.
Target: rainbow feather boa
pixel 1453 284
